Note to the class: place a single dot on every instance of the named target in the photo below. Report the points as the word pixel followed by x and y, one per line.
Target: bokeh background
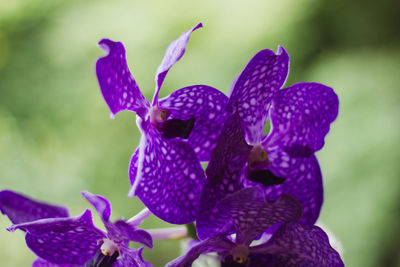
pixel 56 138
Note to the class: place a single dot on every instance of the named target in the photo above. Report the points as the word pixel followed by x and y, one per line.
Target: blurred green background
pixel 56 138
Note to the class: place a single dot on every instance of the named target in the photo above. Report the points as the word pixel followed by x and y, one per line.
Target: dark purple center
pixel 177 128
pixel 101 260
pixel 264 177
pixel 228 261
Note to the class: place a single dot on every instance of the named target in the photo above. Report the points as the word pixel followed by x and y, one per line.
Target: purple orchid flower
pixel 224 177
pixel 62 241
pixel 227 173
pixel 300 118
pixel 165 172
pixel 291 245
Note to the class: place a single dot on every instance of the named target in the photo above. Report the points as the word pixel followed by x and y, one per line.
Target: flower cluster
pixel 254 205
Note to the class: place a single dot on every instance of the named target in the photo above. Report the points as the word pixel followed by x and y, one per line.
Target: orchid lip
pixel 177 128
pixel 258 157
pixel 264 177
pixel 101 260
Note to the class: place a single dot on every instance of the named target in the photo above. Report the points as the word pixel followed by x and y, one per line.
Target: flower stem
pixel 191 231
pixel 171 233
pixel 140 217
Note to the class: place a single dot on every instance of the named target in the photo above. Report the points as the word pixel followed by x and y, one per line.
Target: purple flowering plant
pixel 60 240
pixel 254 205
pixel 177 132
pixel 292 244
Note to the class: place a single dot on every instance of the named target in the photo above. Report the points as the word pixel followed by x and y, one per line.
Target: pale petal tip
pixel 281 50
pixel 104 44
pixel 86 194
pixel 11 228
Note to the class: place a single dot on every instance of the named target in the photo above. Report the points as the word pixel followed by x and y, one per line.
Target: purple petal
pixel 211 220
pixel 63 240
pixel 223 172
pixel 122 232
pixel 174 53
pixel 131 258
pixel 142 237
pixel 230 145
pixel 207 106
pixel 117 85
pixel 252 214
pixel 20 208
pixel 214 244
pixel 43 263
pixel 101 204
pixel 169 178
pixel 303 181
pixel 133 166
pixel 264 260
pixel 294 244
pixel 253 91
pixel 301 116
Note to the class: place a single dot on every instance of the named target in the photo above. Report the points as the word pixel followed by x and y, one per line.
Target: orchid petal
pixel 43 263
pixel 133 165
pixel 101 204
pixel 173 54
pixel 207 106
pixel 303 181
pixel 253 91
pixel 294 244
pixel 20 208
pixel 253 214
pixel 300 116
pixel 131 258
pixel 169 179
pixel 223 172
pixel 217 243
pixel 117 85
pixel 211 219
pixel 122 232
pixel 63 240
pixel 230 145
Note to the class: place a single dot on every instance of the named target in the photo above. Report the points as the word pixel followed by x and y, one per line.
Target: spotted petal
pixel 303 181
pixel 131 258
pixel 117 85
pixel 230 144
pixel 253 214
pixel 211 219
pixel 217 243
pixel 263 260
pixel 169 179
pixel 133 166
pixel 100 203
pixel 294 244
pixel 20 208
pixel 123 232
pixel 43 263
pixel 253 91
pixel 174 53
pixel 223 172
pixel 301 115
pixel 62 240
pixel 207 106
